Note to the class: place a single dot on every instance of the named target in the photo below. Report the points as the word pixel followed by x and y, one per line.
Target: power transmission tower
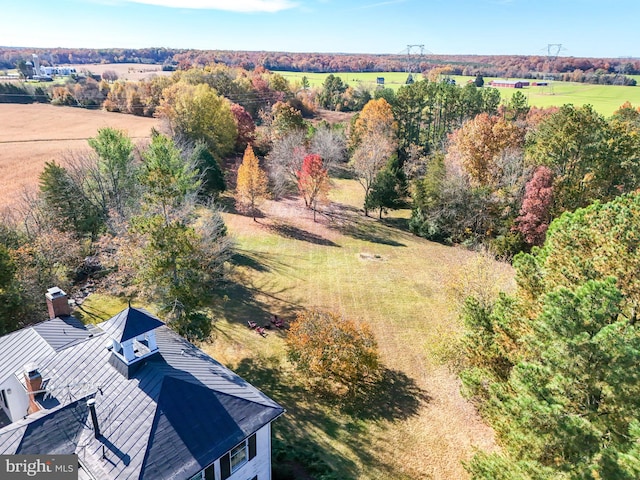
pixel 414 57
pixel 553 50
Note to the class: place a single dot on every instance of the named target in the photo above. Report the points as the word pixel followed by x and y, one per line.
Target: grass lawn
pixel 375 272
pixel 605 99
pixel 392 80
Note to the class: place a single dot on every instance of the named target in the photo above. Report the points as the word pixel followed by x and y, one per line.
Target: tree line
pixel 509 66
pixel 552 365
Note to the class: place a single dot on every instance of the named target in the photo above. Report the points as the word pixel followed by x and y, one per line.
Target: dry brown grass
pixel 31 135
pixel 125 71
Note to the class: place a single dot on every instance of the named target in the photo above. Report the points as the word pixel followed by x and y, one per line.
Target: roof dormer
pixel 132 337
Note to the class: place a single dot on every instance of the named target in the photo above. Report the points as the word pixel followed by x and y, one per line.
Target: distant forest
pixel 509 66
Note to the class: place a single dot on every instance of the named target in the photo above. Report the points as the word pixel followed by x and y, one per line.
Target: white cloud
pixel 245 6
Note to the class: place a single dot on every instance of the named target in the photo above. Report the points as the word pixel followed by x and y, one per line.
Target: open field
pixel 125 71
pixel 366 79
pixel 420 427
pixel 604 98
pixel 375 272
pixel 34 134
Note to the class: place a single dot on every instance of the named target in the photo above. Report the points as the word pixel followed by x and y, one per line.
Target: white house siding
pixel 260 465
pixel 17 399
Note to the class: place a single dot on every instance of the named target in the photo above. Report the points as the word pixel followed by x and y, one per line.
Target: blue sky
pixel 590 28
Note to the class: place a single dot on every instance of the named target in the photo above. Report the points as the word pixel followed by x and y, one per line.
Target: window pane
pixel 198 476
pixel 238 456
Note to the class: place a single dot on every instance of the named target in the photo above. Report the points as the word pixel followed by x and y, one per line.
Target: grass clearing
pixel 377 274
pixel 374 272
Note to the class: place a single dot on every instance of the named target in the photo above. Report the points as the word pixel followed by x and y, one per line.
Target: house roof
pixel 179 412
pixel 36 343
pixel 130 323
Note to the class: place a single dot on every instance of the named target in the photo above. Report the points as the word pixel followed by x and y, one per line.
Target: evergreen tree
pixel 68 207
pixel 212 176
pixel 553 366
pixel 387 191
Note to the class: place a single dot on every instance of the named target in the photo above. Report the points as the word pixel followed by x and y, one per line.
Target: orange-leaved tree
pixel 376 118
pixel 482 146
pixel 313 181
pixel 251 186
pixel 334 352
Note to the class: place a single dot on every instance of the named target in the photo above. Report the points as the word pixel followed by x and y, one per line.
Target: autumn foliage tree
pixel 245 125
pixel 251 185
pixel 535 214
pixel 479 144
pixel 334 352
pixel 198 113
pixel 313 181
pixel 376 118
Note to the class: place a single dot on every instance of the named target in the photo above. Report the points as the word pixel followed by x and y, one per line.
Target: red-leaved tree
pixel 246 127
pixel 534 218
pixel 313 181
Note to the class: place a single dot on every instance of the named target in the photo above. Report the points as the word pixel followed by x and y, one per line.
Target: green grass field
pixel 605 99
pixel 374 272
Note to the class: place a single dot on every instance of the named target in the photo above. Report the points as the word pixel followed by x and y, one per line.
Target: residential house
pixel 132 399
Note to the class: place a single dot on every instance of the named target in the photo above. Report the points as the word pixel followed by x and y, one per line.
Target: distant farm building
pixel 61 70
pixel 509 83
pixel 540 84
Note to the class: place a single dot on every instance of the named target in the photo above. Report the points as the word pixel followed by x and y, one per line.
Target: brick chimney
pixel 33 382
pixel 57 303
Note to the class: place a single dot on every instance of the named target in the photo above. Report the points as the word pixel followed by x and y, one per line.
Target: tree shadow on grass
pixel 395 396
pixel 349 220
pixel 289 231
pixel 365 229
pixel 396 223
pixel 252 260
pixel 298 452
pixel 227 204
pixel 241 305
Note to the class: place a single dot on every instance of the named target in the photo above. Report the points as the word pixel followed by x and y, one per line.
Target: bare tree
pixel 284 161
pixel 369 158
pixel 331 145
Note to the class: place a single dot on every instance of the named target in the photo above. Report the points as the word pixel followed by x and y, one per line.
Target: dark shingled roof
pixel 180 435
pixel 130 323
pixel 177 413
pixel 59 431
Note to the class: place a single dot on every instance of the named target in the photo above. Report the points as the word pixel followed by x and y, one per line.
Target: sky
pixel 583 28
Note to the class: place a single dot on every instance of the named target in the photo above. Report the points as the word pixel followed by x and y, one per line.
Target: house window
pixel 198 476
pixel 237 457
pixel 4 399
